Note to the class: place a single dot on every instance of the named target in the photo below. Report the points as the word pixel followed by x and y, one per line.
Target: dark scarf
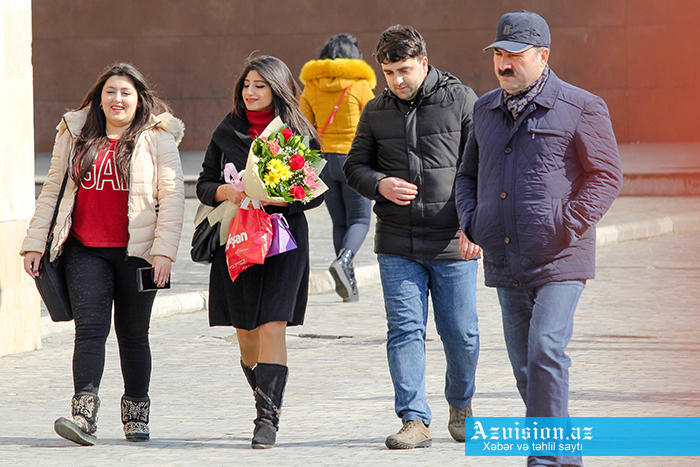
pixel 516 103
pixel 257 121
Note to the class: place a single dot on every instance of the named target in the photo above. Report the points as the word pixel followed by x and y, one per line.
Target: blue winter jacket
pixel 530 192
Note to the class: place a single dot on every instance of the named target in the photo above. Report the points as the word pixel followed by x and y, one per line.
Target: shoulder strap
pixel 58 200
pixel 335 109
pixel 58 203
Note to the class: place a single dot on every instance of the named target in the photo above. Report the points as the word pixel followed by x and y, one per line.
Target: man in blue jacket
pixel 540 169
pixel 404 157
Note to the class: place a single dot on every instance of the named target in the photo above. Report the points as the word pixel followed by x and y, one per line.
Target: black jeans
pixel 96 277
pixel 350 211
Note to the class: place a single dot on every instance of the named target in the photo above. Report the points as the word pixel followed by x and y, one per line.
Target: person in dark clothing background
pixel 540 169
pixel 405 156
pixel 264 299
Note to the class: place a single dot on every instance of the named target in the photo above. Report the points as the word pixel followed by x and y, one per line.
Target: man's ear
pixel 424 64
pixel 545 55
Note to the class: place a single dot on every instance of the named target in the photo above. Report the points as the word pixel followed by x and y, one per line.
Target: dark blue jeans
pixel 350 212
pixel 406 284
pixel 96 278
pixel 537 326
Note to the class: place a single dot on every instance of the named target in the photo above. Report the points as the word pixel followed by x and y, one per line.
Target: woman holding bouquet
pixel 337 87
pixel 264 299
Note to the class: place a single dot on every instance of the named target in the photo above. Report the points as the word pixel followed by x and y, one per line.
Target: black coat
pixel 421 142
pixel 276 290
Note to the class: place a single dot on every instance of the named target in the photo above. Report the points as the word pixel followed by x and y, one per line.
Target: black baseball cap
pixel 520 30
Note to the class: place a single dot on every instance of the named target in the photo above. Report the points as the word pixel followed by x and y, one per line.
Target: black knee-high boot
pixel 271 379
pixel 249 373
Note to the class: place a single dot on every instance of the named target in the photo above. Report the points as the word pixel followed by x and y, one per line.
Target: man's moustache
pixel 506 72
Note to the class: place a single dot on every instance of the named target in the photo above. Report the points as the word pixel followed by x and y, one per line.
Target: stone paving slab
pixel 634 353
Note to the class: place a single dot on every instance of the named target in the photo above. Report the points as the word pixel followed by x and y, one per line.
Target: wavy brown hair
pixel 285 93
pixel 398 43
pixel 93 135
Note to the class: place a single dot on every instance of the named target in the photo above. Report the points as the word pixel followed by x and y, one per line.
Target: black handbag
pixel 205 241
pixel 51 281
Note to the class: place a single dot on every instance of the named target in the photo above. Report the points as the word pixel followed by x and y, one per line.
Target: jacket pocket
pixel 557 241
pixel 471 227
pixel 547 131
pixel 548 147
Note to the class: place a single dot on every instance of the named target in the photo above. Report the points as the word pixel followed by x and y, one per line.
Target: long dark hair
pixel 341 45
pixel 285 92
pixel 93 135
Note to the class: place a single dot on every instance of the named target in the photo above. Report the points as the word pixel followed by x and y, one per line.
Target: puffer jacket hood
pixel 339 88
pixel 74 121
pixel 336 74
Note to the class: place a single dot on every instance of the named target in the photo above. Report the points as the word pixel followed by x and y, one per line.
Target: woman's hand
pixel 31 263
pixel 227 192
pixel 161 270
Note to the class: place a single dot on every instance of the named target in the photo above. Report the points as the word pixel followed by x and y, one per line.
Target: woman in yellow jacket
pixel 337 87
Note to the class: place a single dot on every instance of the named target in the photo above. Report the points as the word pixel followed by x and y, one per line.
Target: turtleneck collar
pixel 257 121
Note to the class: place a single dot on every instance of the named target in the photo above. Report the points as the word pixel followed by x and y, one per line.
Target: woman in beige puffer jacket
pixel 121 210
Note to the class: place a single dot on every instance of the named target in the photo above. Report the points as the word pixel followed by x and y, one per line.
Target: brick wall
pixel 636 54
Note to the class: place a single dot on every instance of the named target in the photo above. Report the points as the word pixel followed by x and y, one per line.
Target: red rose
pixel 296 162
pixel 287 133
pixel 297 191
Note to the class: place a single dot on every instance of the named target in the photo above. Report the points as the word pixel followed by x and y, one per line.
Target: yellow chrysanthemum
pixel 271 179
pixel 281 171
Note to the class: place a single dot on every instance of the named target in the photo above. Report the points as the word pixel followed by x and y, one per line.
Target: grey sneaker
pixel 413 434
pixel 456 423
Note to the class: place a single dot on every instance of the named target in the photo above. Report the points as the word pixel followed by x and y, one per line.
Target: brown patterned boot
pixel 135 415
pixel 82 425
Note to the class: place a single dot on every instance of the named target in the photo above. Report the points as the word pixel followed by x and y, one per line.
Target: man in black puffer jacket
pixel 404 157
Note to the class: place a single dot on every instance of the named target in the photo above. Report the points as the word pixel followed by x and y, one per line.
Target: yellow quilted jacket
pixel 324 82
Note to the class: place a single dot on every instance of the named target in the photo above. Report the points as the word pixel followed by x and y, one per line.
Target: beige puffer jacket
pixel 156 190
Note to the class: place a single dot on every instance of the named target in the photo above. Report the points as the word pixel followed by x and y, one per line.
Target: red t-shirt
pixel 100 212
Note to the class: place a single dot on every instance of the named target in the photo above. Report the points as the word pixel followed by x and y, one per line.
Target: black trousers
pixel 97 277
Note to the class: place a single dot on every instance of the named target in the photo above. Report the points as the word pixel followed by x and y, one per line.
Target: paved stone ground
pixel 635 353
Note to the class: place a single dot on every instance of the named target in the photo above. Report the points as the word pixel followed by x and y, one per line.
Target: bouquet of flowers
pixel 281 167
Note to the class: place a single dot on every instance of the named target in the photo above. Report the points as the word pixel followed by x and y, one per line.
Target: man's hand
pixel 397 190
pixel 467 249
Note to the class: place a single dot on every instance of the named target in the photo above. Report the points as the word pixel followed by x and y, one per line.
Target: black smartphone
pixel 145 283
